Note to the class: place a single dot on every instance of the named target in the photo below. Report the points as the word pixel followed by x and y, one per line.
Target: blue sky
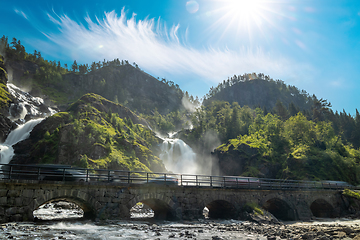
pixel 314 45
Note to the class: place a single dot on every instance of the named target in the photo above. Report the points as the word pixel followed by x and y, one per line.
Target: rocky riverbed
pixel 51 225
pixel 202 229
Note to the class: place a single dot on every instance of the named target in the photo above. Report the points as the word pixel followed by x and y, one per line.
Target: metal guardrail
pixel 49 172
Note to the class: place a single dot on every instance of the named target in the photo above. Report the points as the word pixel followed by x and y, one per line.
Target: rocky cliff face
pixel 244 160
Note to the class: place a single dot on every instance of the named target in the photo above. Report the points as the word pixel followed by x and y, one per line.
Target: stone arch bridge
pixel 19 198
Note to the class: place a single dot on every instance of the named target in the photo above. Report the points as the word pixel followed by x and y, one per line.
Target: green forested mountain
pixel 275 97
pixel 115 80
pixel 93 132
pixel 257 90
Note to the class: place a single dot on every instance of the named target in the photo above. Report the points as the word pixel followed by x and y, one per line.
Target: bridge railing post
pixel 10 171
pixel 38 173
pixel 210 181
pixel 129 177
pixel 63 174
pixel 181 180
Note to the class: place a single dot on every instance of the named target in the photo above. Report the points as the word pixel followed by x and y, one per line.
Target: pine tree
pixel 74 66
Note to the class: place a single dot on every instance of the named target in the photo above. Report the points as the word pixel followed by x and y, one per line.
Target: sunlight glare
pixel 245 12
pixel 245 8
pixel 243 16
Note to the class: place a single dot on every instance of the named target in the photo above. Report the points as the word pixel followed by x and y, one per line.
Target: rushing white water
pixel 178 157
pixel 56 211
pixel 20 133
pixel 27 105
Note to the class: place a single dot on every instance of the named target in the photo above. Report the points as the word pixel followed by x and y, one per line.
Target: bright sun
pixel 244 11
pixel 244 7
pixel 244 15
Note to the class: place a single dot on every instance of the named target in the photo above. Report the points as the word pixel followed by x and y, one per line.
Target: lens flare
pixel 192 6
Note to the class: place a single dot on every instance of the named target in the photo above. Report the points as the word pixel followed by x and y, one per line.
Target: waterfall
pixel 178 157
pixel 20 133
pixel 26 107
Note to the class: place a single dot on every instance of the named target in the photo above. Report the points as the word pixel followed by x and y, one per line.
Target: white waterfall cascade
pixel 28 105
pixel 178 157
pixel 20 133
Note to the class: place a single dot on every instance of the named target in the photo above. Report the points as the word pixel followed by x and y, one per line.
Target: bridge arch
pixel 280 209
pixel 163 206
pixel 321 208
pixel 221 209
pixel 80 198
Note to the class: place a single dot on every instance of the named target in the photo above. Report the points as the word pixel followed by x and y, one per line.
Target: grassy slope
pixel 88 136
pixel 4 94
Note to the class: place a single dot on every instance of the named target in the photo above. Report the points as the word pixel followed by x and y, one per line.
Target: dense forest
pixel 264 145
pixel 248 125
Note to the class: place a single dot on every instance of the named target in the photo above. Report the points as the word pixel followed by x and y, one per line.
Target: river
pixel 122 230
pixel 61 220
pixel 201 229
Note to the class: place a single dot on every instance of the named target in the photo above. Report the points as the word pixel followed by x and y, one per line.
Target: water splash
pixel 178 157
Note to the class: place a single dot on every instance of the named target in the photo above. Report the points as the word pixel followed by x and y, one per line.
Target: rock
pixel 216 238
pixel 357 237
pixel 348 230
pixel 64 205
pixel 265 218
pixel 5 127
pixel 271 238
pixel 324 238
pixel 308 236
pixel 340 235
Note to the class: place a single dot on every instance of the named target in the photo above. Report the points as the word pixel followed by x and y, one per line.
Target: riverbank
pixel 202 229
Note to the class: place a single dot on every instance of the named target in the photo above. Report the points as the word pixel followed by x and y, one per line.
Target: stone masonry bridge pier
pixel 19 198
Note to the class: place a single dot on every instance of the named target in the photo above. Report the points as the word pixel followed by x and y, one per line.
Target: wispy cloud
pixel 157 49
pixel 21 13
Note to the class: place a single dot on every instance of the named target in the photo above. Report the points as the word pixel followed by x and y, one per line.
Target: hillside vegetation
pixel 93 133
pixel 5 97
pixel 253 143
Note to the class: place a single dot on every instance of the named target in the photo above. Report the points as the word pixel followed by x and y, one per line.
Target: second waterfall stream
pixel 178 157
